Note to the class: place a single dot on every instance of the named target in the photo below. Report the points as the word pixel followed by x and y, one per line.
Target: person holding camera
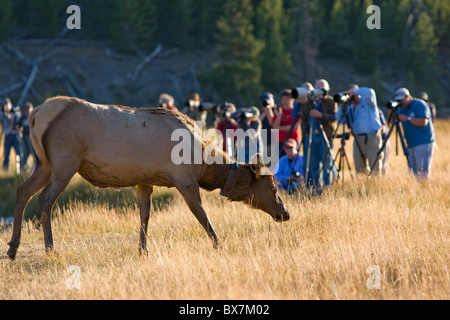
pixel 284 120
pixel 166 101
pixel 416 119
pixel 193 109
pixel 26 148
pixel 424 96
pixel 8 119
pixel 266 117
pixel 227 124
pixel 318 121
pixel 289 174
pixel 364 120
pixel 249 123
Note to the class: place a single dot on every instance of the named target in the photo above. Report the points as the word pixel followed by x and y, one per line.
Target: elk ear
pixel 257 165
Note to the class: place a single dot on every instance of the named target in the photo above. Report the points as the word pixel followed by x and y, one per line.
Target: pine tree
pixel 175 21
pixel 6 19
pixel 133 24
pixel 425 47
pixel 339 40
pixel 364 48
pixel 276 60
pixel 46 18
pixel 238 76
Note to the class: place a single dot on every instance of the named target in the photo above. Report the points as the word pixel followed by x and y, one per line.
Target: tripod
pixel 341 156
pixel 398 134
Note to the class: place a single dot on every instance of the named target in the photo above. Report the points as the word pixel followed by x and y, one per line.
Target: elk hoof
pixel 51 252
pixel 12 253
pixel 143 252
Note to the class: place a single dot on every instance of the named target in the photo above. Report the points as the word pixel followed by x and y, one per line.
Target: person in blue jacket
pixel 289 170
pixel 418 129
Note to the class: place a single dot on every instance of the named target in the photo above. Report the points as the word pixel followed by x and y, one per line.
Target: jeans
pixel 11 141
pixel 26 149
pixel 419 159
pixel 319 156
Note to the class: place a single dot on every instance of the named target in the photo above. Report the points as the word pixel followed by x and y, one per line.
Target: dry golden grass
pixel 323 252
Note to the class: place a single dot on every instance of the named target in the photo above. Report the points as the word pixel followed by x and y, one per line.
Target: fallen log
pixel 146 61
pixel 28 85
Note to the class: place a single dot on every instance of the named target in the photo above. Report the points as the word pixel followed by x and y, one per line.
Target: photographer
pixel 26 149
pixel 194 109
pixel 250 125
pixel 8 119
pixel 365 122
pixel 283 119
pixel 424 96
pixel 267 102
pixel 166 101
pixel 418 128
pixel 315 114
pixel 289 169
pixel 227 123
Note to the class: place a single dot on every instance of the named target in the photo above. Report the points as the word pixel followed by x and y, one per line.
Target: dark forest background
pixel 262 45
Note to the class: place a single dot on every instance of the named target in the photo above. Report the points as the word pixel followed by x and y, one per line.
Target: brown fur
pixel 118 146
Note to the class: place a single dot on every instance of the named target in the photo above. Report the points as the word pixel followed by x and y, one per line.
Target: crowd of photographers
pixel 16 135
pixel 307 117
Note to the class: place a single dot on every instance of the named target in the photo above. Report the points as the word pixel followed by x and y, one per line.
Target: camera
pixel 265 103
pixel 193 104
pixel 241 115
pixel 345 136
pixel 302 92
pixel 341 97
pixel 393 105
pixel 266 99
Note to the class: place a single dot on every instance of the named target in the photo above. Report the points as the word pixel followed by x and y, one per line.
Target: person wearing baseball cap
pixel 424 96
pixel 418 129
pixel 289 169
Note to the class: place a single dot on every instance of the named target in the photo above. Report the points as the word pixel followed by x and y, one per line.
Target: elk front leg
pixel 191 195
pixel 145 203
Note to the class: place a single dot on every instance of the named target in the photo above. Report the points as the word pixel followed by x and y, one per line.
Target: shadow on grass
pixel 78 189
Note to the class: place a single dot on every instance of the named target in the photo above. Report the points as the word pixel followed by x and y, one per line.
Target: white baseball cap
pixel 401 93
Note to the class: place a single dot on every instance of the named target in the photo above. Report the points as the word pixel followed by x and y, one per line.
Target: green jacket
pixel 329 108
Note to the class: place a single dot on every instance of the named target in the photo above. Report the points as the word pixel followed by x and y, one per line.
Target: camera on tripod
pixel 302 92
pixel 341 98
pixel 345 136
pixel 393 105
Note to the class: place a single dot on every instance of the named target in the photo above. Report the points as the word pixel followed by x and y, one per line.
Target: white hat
pixel 401 93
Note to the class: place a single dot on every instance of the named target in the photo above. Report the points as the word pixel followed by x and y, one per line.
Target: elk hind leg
pixel 24 193
pixel 47 198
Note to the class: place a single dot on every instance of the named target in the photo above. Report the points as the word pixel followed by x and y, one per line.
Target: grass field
pixel 397 224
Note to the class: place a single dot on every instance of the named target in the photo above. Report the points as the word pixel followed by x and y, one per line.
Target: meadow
pixel 330 249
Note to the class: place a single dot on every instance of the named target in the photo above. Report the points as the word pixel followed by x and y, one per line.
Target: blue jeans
pixel 11 141
pixel 420 158
pixel 26 149
pixel 320 156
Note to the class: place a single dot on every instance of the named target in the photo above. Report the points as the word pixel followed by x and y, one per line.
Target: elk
pixel 118 147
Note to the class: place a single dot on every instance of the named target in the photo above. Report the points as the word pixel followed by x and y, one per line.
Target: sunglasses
pixel 287 148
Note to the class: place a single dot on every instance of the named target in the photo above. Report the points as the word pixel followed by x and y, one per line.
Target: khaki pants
pixel 370 145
